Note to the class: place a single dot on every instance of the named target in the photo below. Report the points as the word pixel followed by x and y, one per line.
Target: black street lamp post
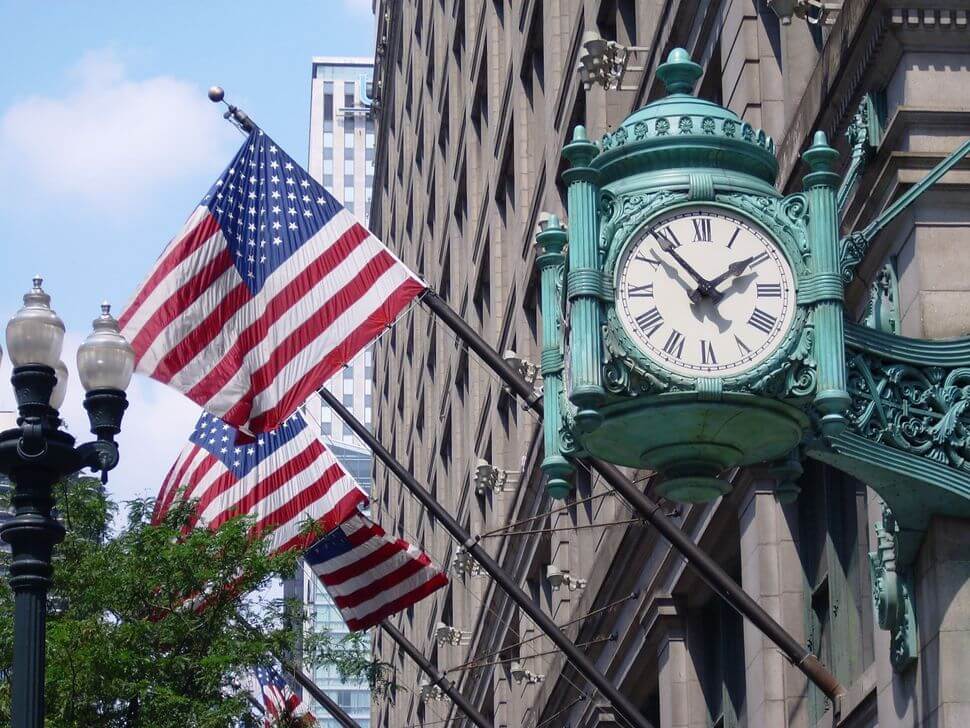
pixel 38 453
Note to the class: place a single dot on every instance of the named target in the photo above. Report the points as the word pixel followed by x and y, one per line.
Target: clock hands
pixel 703 286
pixel 735 269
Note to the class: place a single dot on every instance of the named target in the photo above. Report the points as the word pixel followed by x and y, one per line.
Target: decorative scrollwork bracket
pixel 892 593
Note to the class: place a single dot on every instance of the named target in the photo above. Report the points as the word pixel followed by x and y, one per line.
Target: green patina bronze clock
pixel 704 328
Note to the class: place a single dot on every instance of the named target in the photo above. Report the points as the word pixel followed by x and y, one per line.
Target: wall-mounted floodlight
pixel 558 578
pixel 813 12
pixel 604 62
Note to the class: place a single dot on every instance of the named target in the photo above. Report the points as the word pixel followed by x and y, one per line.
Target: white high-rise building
pixel 342 159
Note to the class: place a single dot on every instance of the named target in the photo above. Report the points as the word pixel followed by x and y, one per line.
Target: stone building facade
pixel 476 98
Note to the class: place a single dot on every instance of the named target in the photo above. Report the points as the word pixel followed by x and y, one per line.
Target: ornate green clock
pixel 704 328
pixel 703 291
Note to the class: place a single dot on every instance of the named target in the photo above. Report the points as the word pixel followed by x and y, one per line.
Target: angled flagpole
pixel 470 711
pixel 329 704
pixel 577 657
pixel 707 568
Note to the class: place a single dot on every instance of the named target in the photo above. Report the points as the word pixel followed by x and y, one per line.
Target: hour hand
pixel 735 269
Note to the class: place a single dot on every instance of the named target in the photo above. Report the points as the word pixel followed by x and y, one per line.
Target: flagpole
pixel 470 711
pixel 329 704
pixel 708 569
pixel 580 661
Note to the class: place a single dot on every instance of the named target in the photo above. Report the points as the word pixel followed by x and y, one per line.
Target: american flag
pixel 281 479
pixel 370 576
pixel 266 292
pixel 278 698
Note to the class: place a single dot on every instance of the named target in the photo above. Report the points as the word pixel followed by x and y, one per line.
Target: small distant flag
pixel 370 576
pixel 279 700
pixel 267 291
pixel 281 479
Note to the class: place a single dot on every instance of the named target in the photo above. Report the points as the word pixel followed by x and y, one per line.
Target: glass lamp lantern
pixel 105 360
pixel 60 389
pixel 35 334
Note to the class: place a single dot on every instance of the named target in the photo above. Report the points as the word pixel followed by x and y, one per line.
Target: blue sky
pixel 107 142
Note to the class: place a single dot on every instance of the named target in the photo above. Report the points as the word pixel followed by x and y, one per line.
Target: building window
pixel 348 139
pixel 328 139
pixel 833 542
pixel 328 181
pixel 348 195
pixel 327 107
pixel 328 166
pixel 722 676
pixel 348 166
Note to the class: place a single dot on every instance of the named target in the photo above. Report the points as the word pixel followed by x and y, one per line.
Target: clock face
pixel 704 292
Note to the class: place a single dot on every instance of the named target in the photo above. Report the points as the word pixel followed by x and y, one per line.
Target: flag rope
pixel 608 524
pixel 475 664
pixel 555 715
pixel 571 504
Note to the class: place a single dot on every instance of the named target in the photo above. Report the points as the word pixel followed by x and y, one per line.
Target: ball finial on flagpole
pixel 216 94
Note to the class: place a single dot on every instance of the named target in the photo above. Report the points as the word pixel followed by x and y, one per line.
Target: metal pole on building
pixel 579 659
pixel 706 567
pixel 473 714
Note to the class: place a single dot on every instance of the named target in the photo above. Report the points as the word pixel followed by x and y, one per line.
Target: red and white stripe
pixel 253 359
pixel 302 481
pixel 378 576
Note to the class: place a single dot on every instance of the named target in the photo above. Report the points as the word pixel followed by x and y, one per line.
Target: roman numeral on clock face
pixel 665 236
pixel 650 321
pixel 742 347
pixel 762 321
pixel 733 237
pixel 768 290
pixel 702 229
pixel 755 262
pixel 675 344
pixel 652 261
pixel 707 353
pixel 644 291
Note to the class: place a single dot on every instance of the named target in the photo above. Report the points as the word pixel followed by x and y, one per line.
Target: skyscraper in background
pixel 342 159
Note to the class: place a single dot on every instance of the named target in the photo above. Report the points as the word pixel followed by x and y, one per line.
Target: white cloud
pixel 360 6
pixel 110 140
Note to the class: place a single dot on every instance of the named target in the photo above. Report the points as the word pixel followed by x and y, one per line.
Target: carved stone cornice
pixel 848 66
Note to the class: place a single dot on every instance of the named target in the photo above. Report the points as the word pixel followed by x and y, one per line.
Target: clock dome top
pixel 682 130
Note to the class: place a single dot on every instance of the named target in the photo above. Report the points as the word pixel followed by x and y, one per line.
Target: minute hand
pixel 704 287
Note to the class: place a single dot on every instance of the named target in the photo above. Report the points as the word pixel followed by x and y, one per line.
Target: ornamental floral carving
pixel 922 410
pixel 786 217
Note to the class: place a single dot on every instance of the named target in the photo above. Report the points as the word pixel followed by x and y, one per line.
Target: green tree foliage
pixel 122 648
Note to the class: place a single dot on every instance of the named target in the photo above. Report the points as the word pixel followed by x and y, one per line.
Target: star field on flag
pixel 270 288
pixel 281 479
